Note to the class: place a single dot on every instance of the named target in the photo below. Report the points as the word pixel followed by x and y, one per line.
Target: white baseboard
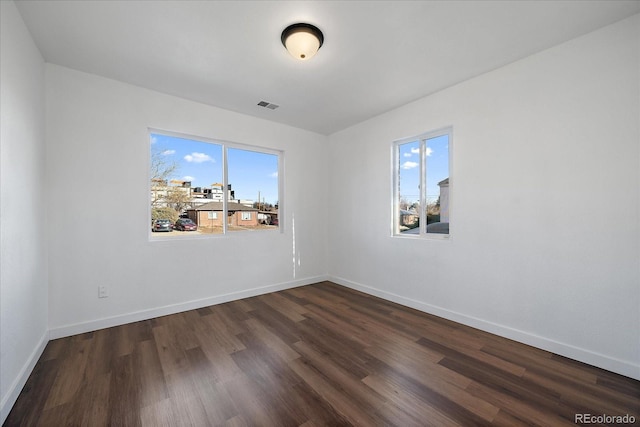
pixel 603 361
pixel 94 325
pixel 10 398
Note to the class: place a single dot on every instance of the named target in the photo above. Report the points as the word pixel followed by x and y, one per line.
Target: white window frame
pixel 225 146
pixel 395 183
pixel 212 215
pixel 245 216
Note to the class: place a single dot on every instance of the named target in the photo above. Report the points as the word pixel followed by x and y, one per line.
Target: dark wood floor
pixel 315 355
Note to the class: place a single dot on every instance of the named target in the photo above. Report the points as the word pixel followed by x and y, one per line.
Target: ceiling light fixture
pixel 302 40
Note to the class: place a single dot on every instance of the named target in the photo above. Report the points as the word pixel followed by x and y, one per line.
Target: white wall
pixel 97 136
pixel 544 150
pixel 23 260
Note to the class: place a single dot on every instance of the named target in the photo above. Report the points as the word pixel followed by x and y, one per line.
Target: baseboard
pixel 94 325
pixel 10 398
pixel 621 367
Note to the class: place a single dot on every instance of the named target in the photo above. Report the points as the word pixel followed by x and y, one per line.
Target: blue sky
pixel 437 167
pixel 201 163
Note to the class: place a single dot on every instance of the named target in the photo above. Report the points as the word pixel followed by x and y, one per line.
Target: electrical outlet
pixel 103 292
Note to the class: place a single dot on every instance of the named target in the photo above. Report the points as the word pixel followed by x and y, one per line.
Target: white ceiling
pixel 376 56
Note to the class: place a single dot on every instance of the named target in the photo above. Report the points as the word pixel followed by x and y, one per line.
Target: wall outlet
pixel 103 292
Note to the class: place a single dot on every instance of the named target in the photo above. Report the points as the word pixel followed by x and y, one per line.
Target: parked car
pixel 185 224
pixel 162 225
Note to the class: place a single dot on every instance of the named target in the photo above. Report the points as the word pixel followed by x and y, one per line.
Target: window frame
pixel 395 183
pixel 225 145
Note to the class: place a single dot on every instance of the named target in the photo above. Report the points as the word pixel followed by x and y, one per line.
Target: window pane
pixel 437 193
pixel 409 187
pixel 253 190
pixel 185 184
pixel 421 185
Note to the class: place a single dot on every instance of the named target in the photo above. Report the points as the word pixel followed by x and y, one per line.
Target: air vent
pixel 268 105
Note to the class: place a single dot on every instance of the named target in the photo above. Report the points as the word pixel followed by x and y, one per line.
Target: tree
pixel 164 213
pixel 406 205
pixel 178 198
pixel 161 170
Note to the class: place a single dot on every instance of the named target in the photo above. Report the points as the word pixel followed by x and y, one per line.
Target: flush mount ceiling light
pixel 302 40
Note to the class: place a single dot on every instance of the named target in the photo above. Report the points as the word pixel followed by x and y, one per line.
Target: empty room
pixel 307 213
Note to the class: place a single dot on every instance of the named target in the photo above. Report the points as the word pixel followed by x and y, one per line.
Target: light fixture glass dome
pixel 302 40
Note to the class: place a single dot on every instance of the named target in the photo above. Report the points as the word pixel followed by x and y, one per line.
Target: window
pixel 219 186
pixel 421 183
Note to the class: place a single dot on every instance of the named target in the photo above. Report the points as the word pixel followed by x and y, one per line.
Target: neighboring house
pixel 408 218
pixel 444 200
pixel 210 215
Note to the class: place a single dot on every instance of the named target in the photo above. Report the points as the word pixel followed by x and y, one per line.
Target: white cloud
pixel 188 178
pixel 417 151
pixel 154 140
pixel 168 152
pixel 198 158
pixel 274 175
pixel 409 165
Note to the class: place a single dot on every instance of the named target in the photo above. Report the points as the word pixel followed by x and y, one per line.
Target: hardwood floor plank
pixel 342 326
pixel 271 340
pixel 124 393
pixel 291 310
pixel 159 414
pixel 216 401
pixel 274 320
pixel 317 355
pixel 423 369
pixel 583 396
pixel 170 352
pixel 439 331
pixel 450 384
pixel 237 421
pixel 29 407
pixel 452 351
pixel 96 402
pixel 488 376
pixel 518 408
pixel 404 407
pixel 343 352
pixel 186 405
pixel 102 353
pixel 70 373
pixel 538 359
pixel 618 384
pixel 364 396
pixel 231 318
pixel 258 409
pixel 223 367
pixel 213 328
pixel 340 401
pixel 147 365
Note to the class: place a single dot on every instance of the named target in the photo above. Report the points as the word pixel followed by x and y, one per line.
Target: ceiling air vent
pixel 268 105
